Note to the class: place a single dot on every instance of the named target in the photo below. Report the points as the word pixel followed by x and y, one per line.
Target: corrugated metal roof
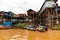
pixel 42 8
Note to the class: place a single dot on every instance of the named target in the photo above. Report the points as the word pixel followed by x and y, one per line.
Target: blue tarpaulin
pixel 7 24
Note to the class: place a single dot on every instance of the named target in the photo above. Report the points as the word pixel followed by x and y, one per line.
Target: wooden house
pixel 32 16
pixel 48 12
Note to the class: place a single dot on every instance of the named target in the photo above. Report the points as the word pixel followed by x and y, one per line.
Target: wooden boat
pixel 4 27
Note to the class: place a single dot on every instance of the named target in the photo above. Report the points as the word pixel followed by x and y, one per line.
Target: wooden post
pixel 51 18
pixel 33 19
pixel 40 18
pixel 47 16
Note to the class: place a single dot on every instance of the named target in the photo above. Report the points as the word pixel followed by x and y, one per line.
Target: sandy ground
pixel 22 34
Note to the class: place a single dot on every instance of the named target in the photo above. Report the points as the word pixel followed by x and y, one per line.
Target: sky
pixel 21 6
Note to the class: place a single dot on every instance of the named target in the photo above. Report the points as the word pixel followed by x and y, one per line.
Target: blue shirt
pixel 7 23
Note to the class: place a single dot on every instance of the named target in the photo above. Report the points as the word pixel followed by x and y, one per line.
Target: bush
pixel 21 25
pixel 56 27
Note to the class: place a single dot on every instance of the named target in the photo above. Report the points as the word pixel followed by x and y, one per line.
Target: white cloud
pixel 58 2
pixel 20 6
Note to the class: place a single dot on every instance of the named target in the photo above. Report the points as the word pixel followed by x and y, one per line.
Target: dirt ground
pixel 22 34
